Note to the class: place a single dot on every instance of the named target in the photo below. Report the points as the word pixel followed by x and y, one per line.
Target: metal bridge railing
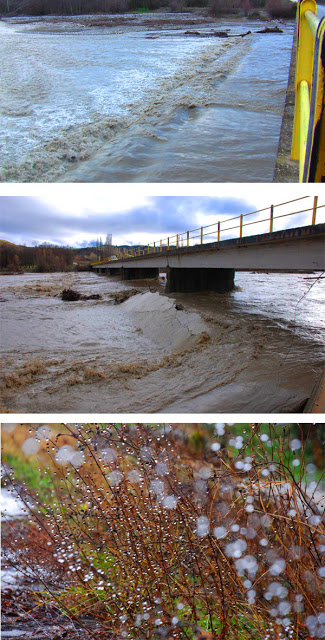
pixel 308 141
pixel 221 230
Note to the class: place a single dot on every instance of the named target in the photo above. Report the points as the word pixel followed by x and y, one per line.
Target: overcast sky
pixel 79 215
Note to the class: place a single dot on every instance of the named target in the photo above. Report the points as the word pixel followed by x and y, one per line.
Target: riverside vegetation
pixel 276 8
pixel 171 531
pixel 49 258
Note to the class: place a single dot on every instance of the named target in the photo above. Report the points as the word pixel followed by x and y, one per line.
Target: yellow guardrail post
pixel 167 244
pixel 201 235
pixel 187 238
pixel 177 241
pixel 304 124
pixel 271 218
pixel 241 226
pixel 304 66
pixel 314 169
pixel 160 245
pixel 154 247
pixel 313 221
pixel 308 140
pixel 218 231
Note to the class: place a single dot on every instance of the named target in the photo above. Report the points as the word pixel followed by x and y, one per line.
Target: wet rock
pixel 193 33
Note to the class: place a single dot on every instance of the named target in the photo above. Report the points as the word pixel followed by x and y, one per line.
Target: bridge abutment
pixel 199 279
pixel 139 273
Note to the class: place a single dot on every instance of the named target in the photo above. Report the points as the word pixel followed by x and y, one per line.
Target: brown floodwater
pixel 137 99
pixel 259 348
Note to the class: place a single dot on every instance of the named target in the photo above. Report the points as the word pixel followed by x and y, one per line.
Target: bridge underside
pixel 181 280
pixel 191 280
pixel 139 273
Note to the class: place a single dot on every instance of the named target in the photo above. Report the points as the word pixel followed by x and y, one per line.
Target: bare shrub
pixel 162 532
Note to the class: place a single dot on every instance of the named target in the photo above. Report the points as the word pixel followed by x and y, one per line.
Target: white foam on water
pixel 81 104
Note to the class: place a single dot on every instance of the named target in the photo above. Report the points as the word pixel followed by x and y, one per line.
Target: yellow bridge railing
pixel 214 231
pixel 308 141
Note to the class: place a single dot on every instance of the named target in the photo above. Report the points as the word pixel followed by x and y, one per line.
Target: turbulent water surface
pixel 139 100
pixel 258 348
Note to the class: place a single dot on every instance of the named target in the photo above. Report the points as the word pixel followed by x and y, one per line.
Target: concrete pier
pixel 199 279
pixel 139 273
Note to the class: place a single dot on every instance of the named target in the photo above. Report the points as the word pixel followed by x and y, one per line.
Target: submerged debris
pixel 218 34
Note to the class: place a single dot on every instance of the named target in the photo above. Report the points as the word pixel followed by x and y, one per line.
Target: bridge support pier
pixel 139 273
pixel 200 279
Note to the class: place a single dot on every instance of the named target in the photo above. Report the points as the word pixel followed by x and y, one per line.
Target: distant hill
pixel 6 242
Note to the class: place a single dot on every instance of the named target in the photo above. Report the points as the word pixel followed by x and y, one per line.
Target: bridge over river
pixel 211 266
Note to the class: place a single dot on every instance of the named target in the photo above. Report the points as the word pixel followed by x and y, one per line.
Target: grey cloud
pixel 25 218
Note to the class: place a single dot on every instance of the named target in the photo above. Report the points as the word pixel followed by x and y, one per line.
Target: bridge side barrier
pixel 214 231
pixel 308 140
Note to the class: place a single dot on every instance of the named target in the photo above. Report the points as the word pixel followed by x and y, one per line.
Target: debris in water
pixel 270 30
pixel 72 296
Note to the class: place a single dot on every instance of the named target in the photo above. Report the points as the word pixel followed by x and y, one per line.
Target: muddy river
pixel 136 99
pixel 259 348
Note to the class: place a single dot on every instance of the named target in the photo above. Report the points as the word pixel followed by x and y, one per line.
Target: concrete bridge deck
pixel 212 266
pixel 297 249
